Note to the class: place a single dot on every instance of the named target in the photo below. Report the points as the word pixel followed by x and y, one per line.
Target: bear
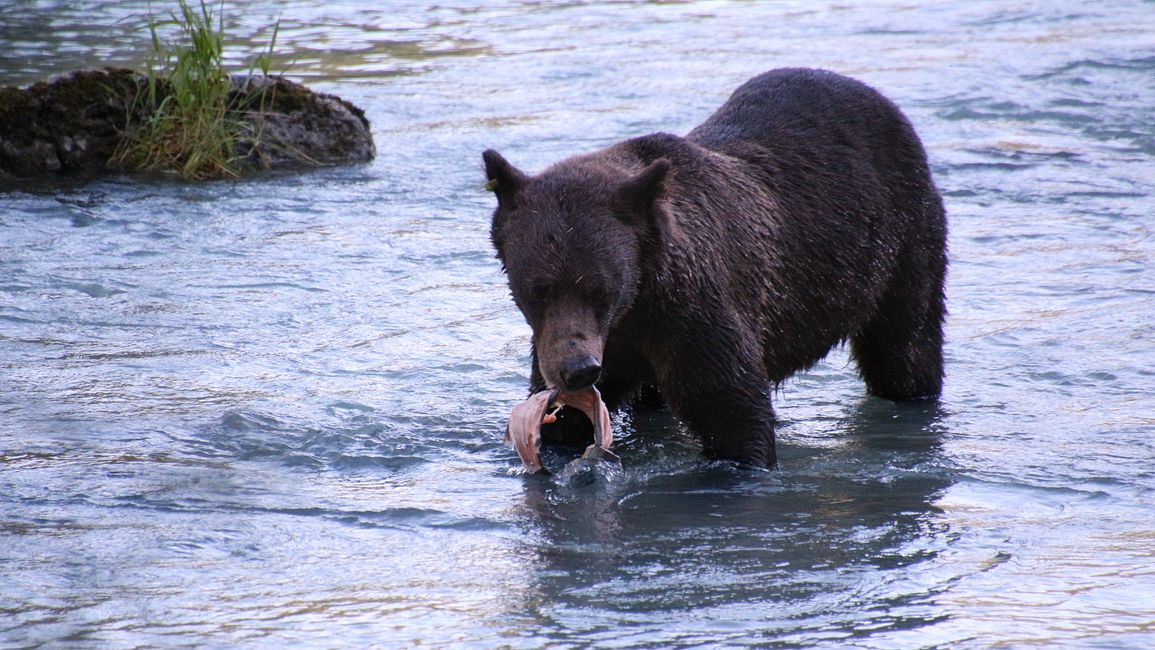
pixel 705 270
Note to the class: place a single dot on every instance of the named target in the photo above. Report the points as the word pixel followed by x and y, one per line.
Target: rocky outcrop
pixel 72 123
pixel 290 125
pixel 77 123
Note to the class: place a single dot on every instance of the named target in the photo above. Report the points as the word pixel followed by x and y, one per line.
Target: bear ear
pixel 635 198
pixel 503 179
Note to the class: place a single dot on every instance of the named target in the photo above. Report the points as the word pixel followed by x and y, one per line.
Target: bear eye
pixel 539 293
pixel 600 301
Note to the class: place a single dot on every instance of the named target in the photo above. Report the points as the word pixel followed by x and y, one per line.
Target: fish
pixel 523 433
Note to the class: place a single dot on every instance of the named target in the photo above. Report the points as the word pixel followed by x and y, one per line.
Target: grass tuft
pixel 192 115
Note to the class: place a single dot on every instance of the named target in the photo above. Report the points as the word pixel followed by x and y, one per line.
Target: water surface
pixel 268 411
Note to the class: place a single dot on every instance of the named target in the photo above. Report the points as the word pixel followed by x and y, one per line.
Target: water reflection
pixel 664 552
pixel 914 428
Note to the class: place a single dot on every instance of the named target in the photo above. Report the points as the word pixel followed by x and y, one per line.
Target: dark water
pixel 267 412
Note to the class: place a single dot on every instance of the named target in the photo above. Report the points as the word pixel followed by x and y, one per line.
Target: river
pixel 267 412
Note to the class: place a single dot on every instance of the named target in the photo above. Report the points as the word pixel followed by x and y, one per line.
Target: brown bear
pixel 711 267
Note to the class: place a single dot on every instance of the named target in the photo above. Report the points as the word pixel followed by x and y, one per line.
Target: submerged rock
pixel 77 123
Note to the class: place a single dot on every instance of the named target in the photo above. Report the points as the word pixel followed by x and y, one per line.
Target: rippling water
pixel 268 411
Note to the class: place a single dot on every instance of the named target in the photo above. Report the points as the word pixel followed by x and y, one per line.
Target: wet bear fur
pixel 711 267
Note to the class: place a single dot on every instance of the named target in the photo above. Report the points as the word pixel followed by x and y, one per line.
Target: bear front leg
pixel 735 424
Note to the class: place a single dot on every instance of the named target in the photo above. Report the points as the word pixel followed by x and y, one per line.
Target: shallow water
pixel 269 411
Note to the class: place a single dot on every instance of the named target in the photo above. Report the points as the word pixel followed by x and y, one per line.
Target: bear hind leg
pixel 899 351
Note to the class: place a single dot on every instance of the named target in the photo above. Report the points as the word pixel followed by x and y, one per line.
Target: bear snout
pixel 580 371
pixel 569 345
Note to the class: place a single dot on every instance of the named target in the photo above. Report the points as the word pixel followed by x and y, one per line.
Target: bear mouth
pixel 523 434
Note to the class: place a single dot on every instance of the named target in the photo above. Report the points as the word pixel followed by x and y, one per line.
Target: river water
pixel 268 412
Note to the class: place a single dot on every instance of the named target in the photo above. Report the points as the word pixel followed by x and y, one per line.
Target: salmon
pixel 523 434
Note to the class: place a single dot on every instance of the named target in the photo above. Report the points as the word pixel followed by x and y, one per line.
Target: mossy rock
pixel 71 123
pixel 76 123
pixel 290 125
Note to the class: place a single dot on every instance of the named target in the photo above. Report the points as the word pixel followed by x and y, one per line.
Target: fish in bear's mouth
pixel 524 431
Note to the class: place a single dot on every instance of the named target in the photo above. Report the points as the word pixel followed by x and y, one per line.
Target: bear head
pixel 572 241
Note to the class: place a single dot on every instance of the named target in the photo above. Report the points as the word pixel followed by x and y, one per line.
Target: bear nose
pixel 580 372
